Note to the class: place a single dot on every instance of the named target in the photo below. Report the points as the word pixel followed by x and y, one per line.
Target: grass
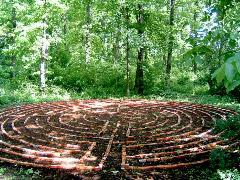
pixel 29 93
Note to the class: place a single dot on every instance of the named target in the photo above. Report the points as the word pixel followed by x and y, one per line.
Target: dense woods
pixel 121 47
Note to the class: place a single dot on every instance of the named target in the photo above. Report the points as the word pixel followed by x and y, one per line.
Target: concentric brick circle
pixel 86 135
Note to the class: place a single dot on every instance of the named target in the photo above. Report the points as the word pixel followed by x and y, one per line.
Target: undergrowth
pixel 230 127
pixel 29 93
pixel 227 161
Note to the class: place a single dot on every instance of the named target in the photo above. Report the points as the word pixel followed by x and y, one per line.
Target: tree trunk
pixel 139 86
pixel 170 43
pixel 195 36
pixel 116 45
pixel 194 66
pixel 221 46
pixel 127 54
pixel 44 55
pixel 116 48
pixel 65 30
pixel 88 38
pixel 14 25
pixel 43 74
pixel 164 59
pixel 146 53
pixel 221 41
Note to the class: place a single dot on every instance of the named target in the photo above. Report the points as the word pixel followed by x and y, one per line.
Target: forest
pixel 168 50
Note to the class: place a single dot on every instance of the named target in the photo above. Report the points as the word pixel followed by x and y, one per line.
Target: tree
pixel 139 84
pixel 88 32
pixel 116 46
pixel 170 42
pixel 14 25
pixel 44 51
pixel 127 53
pixel 195 36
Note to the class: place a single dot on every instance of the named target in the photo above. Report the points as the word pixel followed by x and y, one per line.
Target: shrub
pixel 28 93
pixel 232 174
pixel 229 127
pixel 220 159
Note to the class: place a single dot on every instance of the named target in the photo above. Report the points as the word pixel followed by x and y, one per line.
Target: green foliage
pixel 194 42
pixel 2 170
pixel 232 174
pixel 98 78
pixel 29 93
pixel 220 159
pixel 230 127
pixel 229 72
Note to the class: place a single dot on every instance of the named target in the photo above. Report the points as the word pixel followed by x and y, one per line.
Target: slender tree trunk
pixel 195 36
pixel 127 54
pixel 44 55
pixel 14 25
pixel 221 46
pixel 116 48
pixel 164 59
pixel 222 40
pixel 43 74
pixel 104 42
pixel 170 43
pixel 65 30
pixel 194 66
pixel 139 86
pixel 88 38
pixel 146 53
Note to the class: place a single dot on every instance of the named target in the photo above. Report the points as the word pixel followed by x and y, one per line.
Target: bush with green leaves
pixel 231 174
pixel 220 159
pixel 229 72
pixel 100 78
pixel 230 127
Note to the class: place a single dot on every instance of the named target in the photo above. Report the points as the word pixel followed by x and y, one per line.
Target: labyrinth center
pixel 88 135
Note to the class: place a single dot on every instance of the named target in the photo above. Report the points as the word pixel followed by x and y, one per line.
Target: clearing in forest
pixel 94 135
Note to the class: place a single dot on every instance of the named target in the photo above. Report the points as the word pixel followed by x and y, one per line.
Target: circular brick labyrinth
pixel 91 135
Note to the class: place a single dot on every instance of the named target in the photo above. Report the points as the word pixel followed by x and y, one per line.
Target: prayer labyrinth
pixel 91 135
